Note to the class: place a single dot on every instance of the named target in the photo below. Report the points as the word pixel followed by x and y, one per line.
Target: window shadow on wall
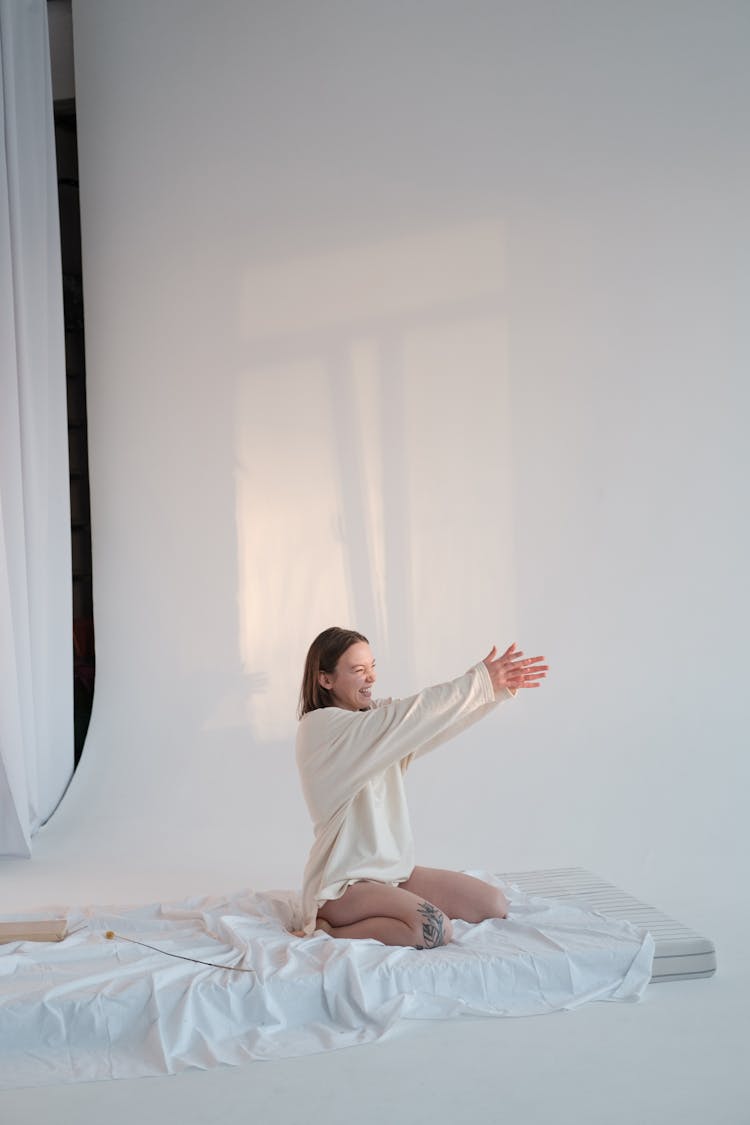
pixel 373 460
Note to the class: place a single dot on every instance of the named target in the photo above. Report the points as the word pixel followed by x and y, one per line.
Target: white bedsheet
pixel 91 1008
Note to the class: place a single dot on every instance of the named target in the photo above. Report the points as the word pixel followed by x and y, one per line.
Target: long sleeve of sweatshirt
pixel 351 765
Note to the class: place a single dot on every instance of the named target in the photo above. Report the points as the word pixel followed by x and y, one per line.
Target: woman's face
pixel 351 682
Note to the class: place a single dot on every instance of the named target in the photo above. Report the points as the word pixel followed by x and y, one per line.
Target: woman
pixel 352 753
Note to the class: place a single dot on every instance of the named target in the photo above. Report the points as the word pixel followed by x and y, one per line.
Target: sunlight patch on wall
pixel 373 454
pixel 460 474
pixel 402 280
pixel 293 568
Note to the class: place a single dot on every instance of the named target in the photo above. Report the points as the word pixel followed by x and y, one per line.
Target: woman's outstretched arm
pixel 339 750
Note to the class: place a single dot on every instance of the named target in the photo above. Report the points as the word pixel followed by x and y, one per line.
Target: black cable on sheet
pixel 110 935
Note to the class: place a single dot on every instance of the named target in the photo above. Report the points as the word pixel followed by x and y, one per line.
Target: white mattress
pixel 680 953
pixel 90 1008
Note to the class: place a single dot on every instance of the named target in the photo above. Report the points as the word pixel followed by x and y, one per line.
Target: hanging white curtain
pixel 36 663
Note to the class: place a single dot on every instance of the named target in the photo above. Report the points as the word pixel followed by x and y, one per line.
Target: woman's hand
pixel 513 670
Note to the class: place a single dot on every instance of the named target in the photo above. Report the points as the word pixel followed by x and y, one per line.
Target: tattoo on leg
pixel 432 927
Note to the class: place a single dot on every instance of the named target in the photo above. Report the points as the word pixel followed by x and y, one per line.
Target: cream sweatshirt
pixel 352 766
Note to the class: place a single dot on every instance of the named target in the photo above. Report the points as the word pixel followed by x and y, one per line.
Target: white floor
pixel 681 1055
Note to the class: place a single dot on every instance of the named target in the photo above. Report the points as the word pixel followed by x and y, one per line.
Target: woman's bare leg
pixel 388 914
pixel 388 930
pixel 458 895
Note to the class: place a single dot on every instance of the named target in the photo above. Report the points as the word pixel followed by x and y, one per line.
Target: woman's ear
pixel 324 680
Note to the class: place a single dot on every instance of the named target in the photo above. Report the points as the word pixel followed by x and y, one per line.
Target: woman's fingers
pixel 526 673
pixel 515 670
pixel 526 662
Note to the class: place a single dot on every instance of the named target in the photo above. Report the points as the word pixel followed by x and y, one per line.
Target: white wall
pixel 429 319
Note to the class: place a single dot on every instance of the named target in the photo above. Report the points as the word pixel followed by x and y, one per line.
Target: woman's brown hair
pixel 323 656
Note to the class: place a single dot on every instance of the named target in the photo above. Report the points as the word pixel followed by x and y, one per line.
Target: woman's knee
pixel 487 902
pixel 431 927
pixel 495 904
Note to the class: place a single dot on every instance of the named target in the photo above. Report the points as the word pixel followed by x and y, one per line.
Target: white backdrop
pixel 427 319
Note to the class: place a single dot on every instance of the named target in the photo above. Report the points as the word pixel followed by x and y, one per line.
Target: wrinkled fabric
pixel 90 1008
